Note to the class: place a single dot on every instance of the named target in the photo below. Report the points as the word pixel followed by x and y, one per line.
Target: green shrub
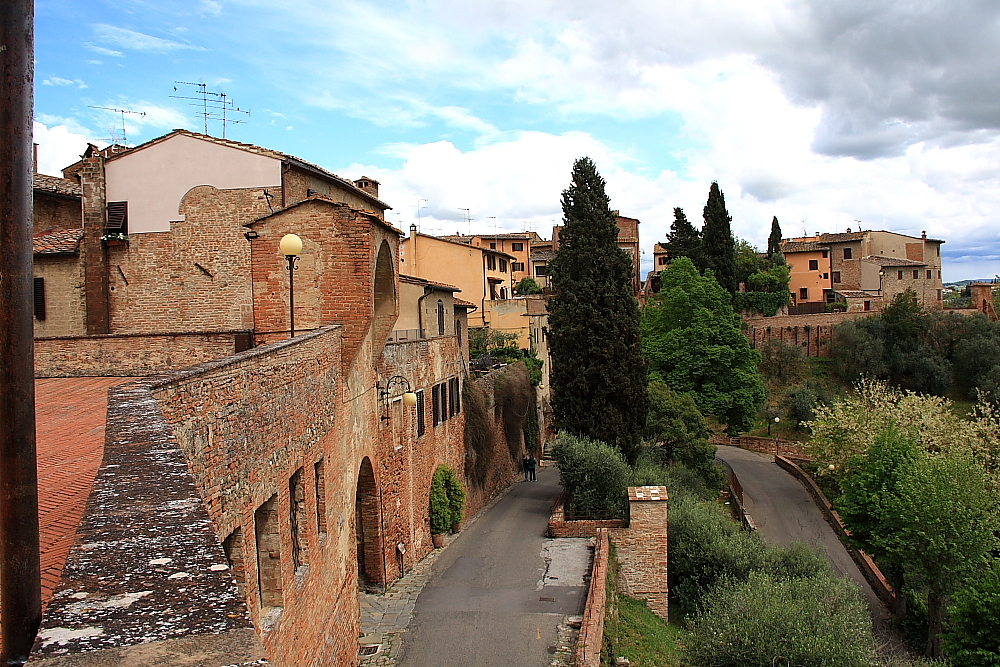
pixel 801 402
pixel 594 474
pixel 974 640
pixel 447 500
pixel 781 362
pixel 764 621
pixel 765 303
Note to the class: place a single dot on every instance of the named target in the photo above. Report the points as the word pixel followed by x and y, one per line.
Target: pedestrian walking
pixel 531 467
pixel 524 467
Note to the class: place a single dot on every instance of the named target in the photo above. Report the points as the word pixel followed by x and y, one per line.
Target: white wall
pixel 153 180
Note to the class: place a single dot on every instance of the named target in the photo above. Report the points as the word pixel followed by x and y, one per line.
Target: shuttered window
pixel 435 404
pixel 39 294
pixel 118 216
pixel 420 413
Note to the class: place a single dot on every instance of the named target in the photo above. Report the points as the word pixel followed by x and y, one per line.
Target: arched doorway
pixel 368 528
pixel 385 284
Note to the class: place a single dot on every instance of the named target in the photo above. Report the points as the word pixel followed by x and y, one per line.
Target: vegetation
pixel 718 247
pixel 447 500
pixel 488 346
pixel 595 476
pixel 974 638
pixel 774 240
pixel 598 374
pixel 692 339
pixel 678 428
pixel 683 240
pixel 528 285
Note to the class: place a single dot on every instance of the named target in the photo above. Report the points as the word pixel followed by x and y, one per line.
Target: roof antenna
pixel 140 114
pixel 214 106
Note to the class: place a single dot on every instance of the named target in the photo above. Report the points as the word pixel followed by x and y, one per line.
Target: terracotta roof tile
pixel 56 185
pixel 881 260
pixel 465 304
pixel 799 246
pixel 58 243
pixel 841 238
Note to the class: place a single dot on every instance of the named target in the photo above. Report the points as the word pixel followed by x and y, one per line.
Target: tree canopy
pixel 598 373
pixel 718 245
pixel 684 240
pixel 774 239
pixel 693 342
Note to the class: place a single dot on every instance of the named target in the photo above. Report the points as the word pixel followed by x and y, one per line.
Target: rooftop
pixel 58 186
pixel 882 260
pixel 58 243
pixel 799 246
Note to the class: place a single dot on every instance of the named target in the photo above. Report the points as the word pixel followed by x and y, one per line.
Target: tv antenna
pixel 419 219
pixel 214 106
pixel 140 114
pixel 468 221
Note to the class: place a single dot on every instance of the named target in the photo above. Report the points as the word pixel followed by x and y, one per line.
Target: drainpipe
pixel 20 572
pixel 413 252
pixel 428 290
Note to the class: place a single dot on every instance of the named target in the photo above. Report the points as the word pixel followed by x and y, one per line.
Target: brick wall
pixel 559 526
pixel 591 638
pixel 810 332
pixel 53 213
pixel 92 250
pixel 297 185
pixel 114 355
pixel 65 298
pixel 642 547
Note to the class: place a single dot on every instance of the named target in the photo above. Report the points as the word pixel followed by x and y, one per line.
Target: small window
pixel 458 331
pixel 541 270
pixel 939 251
pixel 939 295
pixel 803 293
pixel 814 265
pixel 436 404
pixel 517 247
pixel 491 262
pixel 516 266
pixel 868 305
pixel 39 294
pixel 939 275
pixel 661 260
pixel 916 274
pixel 836 276
pixel 899 275
pixel 848 253
pixel 929 274
pixel 117 217
pixel 445 395
pixel 493 246
pixel 503 265
pixel 826 253
pixel 420 413
pixel 826 276
pixel 440 317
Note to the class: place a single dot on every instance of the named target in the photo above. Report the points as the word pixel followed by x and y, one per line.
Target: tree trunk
pixel 896 581
pixel 935 618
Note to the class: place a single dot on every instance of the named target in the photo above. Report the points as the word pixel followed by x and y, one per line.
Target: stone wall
pixel 810 332
pixel 65 299
pixel 591 638
pixel 642 547
pixel 114 355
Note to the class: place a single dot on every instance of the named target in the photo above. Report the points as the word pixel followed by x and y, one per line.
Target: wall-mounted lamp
pixel 290 246
pixel 251 235
pixel 409 398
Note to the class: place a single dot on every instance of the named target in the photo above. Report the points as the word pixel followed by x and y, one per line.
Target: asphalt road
pixel 785 512
pixel 500 590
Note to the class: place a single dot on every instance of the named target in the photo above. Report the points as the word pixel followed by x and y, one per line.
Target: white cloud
pixel 59 81
pixel 102 51
pixel 58 147
pixel 137 41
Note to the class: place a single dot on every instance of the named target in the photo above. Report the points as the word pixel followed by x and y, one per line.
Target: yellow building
pixel 809 266
pixel 519 245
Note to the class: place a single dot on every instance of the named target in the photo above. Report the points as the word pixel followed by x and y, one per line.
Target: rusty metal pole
pixel 20 580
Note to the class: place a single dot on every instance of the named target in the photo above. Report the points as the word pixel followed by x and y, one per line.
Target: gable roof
pixel 444 239
pixel 266 152
pixel 799 246
pixel 882 260
pixel 315 197
pixel 58 186
pixel 58 243
pixel 413 280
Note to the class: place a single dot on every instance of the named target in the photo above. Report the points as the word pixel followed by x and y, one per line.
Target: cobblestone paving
pixel 385 617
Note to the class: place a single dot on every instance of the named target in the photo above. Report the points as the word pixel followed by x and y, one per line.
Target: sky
pixel 860 114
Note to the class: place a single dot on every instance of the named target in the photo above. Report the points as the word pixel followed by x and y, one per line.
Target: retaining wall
pixel 591 638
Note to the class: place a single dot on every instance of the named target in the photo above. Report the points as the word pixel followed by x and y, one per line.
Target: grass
pixel 632 630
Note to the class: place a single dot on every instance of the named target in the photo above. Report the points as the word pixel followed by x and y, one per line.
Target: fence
pixel 736 495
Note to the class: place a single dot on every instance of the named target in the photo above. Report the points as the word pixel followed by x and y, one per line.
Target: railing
pixel 736 494
pixel 403 335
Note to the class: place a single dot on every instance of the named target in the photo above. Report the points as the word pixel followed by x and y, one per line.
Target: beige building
pixel 482 274
pixel 519 245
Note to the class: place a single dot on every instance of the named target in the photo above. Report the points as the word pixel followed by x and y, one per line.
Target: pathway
pixel 497 595
pixel 785 512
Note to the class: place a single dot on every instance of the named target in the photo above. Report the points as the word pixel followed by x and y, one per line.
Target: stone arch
pixel 368 527
pixel 385 281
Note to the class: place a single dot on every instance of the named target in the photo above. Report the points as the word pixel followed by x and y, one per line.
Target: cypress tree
pixel 774 240
pixel 598 373
pixel 684 240
pixel 717 240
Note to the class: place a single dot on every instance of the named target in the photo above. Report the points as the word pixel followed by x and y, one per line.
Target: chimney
pixel 369 185
pixel 923 235
pixel 95 260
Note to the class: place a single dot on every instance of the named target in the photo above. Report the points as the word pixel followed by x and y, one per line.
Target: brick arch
pixel 368 526
pixel 385 281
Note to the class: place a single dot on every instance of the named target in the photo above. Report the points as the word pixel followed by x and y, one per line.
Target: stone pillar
pixel 95 255
pixel 642 547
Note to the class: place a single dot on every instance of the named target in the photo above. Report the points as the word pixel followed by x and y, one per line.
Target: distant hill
pixel 962 283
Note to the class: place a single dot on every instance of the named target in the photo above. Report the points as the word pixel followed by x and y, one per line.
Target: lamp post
pixel 777 420
pixel 881 275
pixel 409 398
pixel 290 246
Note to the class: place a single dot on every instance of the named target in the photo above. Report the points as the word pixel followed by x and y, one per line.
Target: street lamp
pixel 777 420
pixel 290 246
pixel 881 275
pixel 409 398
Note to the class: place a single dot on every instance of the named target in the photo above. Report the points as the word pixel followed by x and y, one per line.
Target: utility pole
pixel 20 573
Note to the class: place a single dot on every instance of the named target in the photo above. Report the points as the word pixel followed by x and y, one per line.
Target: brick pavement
pixel 69 423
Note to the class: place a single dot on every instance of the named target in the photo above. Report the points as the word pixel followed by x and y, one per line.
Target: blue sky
pixel 881 115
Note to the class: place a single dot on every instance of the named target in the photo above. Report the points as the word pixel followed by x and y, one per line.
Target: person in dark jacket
pixel 532 463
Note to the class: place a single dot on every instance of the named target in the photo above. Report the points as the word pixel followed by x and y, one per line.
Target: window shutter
pixel 420 413
pixel 39 292
pixel 458 396
pixel 117 215
pixel 444 401
pixel 435 404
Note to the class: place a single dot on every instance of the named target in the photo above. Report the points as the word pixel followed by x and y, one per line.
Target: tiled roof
pixel 58 243
pixel 316 197
pixel 413 280
pixel 799 246
pixel 882 260
pixel 537 306
pixel 56 185
pixel 841 238
pixel 267 152
pixel 462 303
pixel 853 294
pixel 542 255
pixel 659 247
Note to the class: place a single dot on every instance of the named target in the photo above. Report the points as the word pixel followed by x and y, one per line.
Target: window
pixel 516 266
pixel 436 404
pixel 939 275
pixel 39 294
pixel 868 305
pixel 836 276
pixel 440 317
pixel 491 262
pixel 458 331
pixel 803 293
pixel 848 253
pixel 939 295
pixel 117 217
pixel 661 260
pixel 899 275
pixel 503 265
pixel 443 397
pixel 541 270
pixel 916 274
pixel 503 293
pixel 826 253
pixel 814 265
pixel 826 276
pixel 320 477
pixel 420 413
pixel 929 274
pixel 493 246
pixel 517 247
